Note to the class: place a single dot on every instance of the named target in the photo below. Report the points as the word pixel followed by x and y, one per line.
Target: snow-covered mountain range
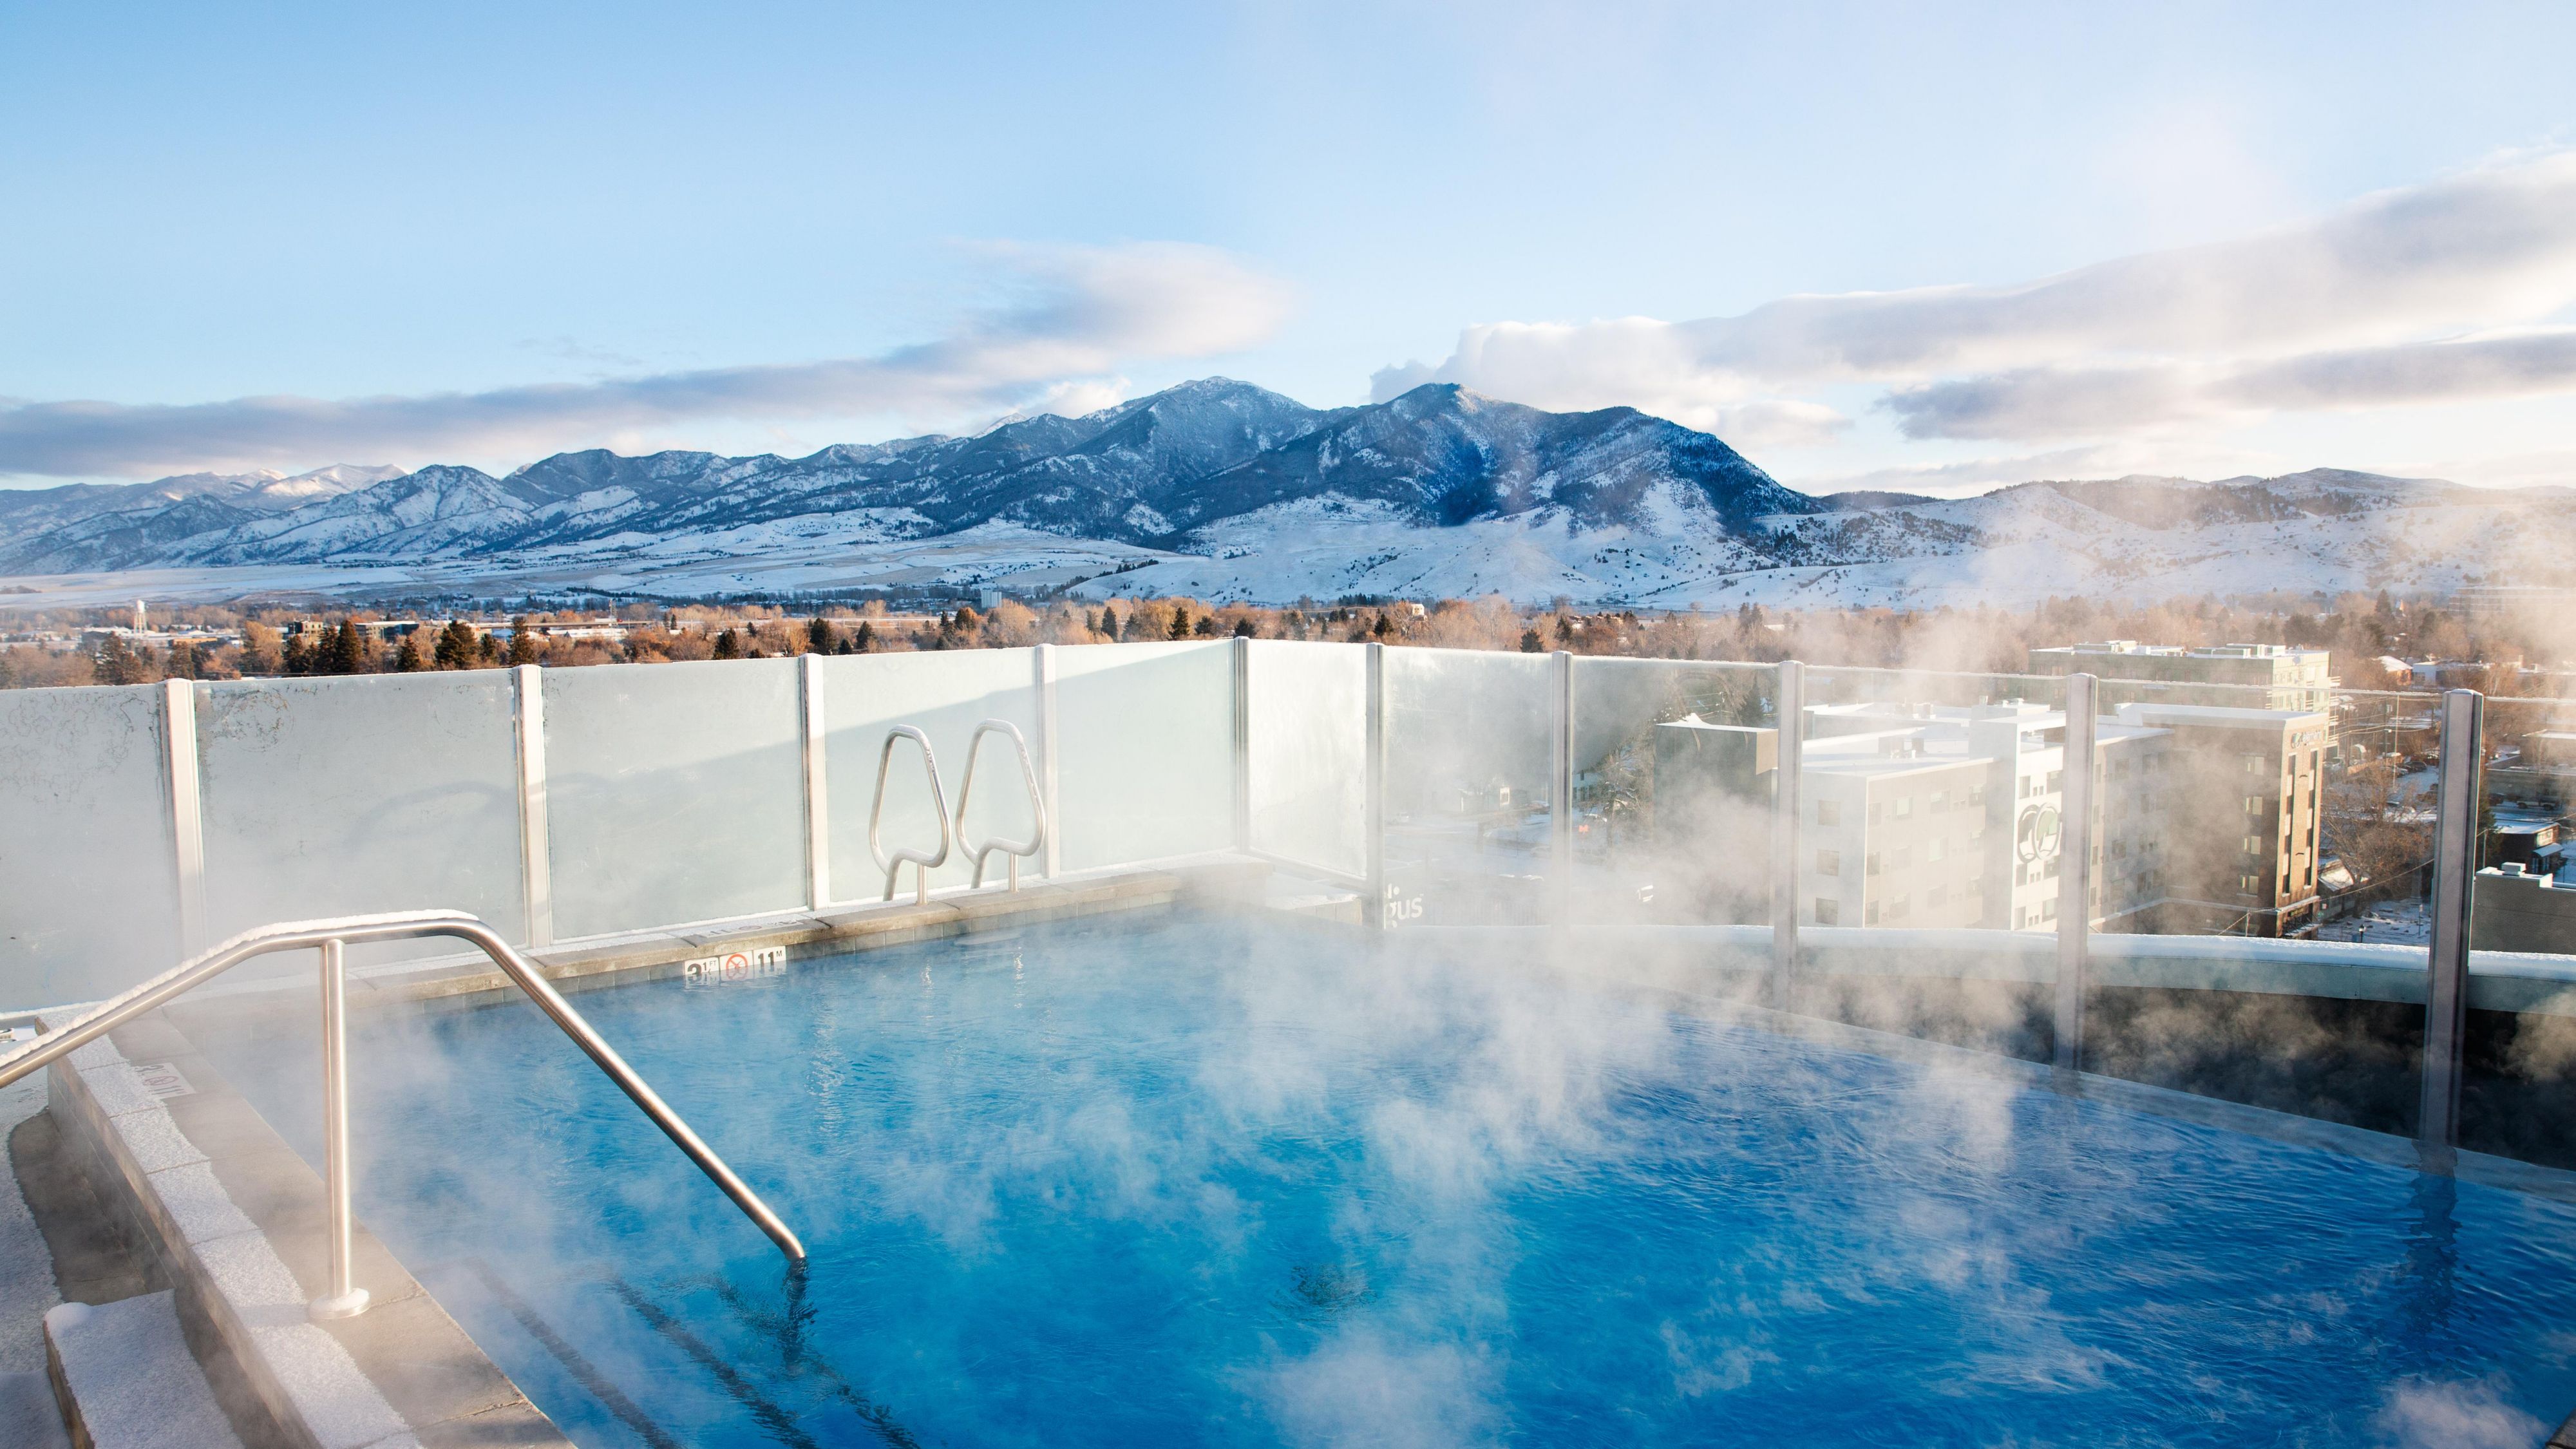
pixel 1223 490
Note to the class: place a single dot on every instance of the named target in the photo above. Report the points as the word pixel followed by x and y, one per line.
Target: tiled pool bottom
pixel 1194 1183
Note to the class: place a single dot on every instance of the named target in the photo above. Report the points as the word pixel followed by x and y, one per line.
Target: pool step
pixel 127 1380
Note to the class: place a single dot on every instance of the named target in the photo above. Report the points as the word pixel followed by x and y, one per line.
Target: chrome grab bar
pixel 330 937
pixel 938 807
pixel 1012 849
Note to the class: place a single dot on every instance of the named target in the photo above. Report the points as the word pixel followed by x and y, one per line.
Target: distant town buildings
pixel 2289 678
pixel 2206 818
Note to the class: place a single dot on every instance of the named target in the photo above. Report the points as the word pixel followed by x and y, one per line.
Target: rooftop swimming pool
pixel 1201 1180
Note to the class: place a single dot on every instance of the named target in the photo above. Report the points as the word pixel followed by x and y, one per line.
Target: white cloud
pixel 1076 314
pixel 2395 298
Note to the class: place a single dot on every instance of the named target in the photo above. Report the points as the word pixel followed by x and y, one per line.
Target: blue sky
pixel 287 237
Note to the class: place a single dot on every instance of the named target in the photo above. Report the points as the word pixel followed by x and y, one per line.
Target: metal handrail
pixel 1013 849
pixel 330 937
pixel 938 808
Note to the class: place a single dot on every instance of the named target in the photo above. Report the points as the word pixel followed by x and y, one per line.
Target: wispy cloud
pixel 2395 298
pixel 1077 316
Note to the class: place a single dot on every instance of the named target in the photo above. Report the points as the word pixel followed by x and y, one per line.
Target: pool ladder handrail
pixel 331 936
pixel 892 864
pixel 1012 849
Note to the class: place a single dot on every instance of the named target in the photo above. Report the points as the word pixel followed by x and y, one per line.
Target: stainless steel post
pixel 346 1299
pixel 1789 696
pixel 2075 833
pixel 1373 786
pixel 1240 654
pixel 2455 869
pixel 1560 787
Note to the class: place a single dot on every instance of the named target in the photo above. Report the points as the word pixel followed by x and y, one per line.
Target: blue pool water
pixel 1190 1182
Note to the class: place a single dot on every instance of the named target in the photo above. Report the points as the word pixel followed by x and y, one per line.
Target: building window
pixel 2249 884
pixel 1939 802
pixel 1931 851
pixel 1874 808
pixel 2253 804
pixel 1897 908
pixel 1870 866
pixel 1976 795
pixel 2021 917
pixel 1829 812
pixel 1904 806
pixel 2048 910
pixel 1829 862
pixel 2056 781
pixel 2253 764
pixel 1828 911
pixel 1933 898
pixel 1869 914
pixel 2253 845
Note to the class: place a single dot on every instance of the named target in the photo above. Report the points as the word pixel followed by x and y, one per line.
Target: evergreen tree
pixel 407 659
pixel 818 634
pixel 523 642
pixel 1206 626
pixel 488 649
pixel 297 657
pixel 1243 629
pixel 116 662
pixel 1180 621
pixel 455 647
pixel 1384 628
pixel 867 639
pixel 1531 643
pixel 1108 622
pixel 348 650
pixel 728 645
pixel 184 662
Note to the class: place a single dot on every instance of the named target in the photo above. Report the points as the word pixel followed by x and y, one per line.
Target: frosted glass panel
pixel 1674 773
pixel 1309 739
pixel 88 890
pixel 676 793
pixel 945 695
pixel 1147 762
pixel 330 797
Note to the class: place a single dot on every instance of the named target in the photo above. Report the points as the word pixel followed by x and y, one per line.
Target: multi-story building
pixel 2289 678
pixel 2245 813
pixel 1914 815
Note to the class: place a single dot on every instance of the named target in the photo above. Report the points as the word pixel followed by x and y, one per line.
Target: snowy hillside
pixel 1223 490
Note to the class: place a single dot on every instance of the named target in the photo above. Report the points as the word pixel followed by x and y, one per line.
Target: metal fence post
pixel 187 809
pixel 818 794
pixel 1050 853
pixel 1373 785
pixel 2455 869
pixel 528 714
pixel 1242 655
pixel 1789 696
pixel 1560 787
pixel 2075 878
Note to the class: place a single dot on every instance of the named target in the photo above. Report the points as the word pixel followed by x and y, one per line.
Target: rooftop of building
pixel 2183 651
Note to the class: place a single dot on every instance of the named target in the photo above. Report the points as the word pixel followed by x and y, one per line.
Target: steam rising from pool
pixel 1202 1182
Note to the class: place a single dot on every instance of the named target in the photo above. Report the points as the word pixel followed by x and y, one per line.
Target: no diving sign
pixel 734 967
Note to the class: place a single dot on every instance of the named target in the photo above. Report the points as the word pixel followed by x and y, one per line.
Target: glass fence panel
pixel 328 797
pixel 88 887
pixel 1675 763
pixel 1470 747
pixel 1308 716
pixel 945 694
pixel 675 793
pixel 1146 767
pixel 2526 888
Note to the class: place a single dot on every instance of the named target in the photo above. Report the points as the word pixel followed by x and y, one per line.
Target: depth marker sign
pixel 735 967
